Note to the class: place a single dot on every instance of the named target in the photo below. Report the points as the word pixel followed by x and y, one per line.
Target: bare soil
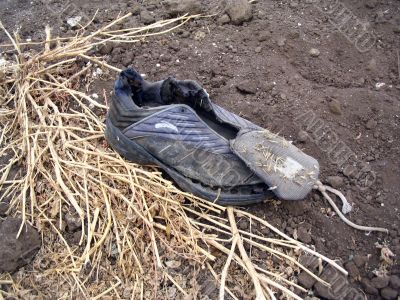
pixel 330 102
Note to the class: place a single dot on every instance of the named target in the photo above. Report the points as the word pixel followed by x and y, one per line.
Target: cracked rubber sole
pixel 132 151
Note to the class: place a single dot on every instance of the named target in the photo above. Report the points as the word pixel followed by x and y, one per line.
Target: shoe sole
pixel 135 153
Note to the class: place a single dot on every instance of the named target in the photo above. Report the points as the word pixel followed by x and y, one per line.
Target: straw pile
pixel 138 234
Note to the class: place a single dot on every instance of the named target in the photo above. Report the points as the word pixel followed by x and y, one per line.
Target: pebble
pixel 3 208
pixel 306 280
pixel 360 260
pixel 380 282
pixel 217 82
pixel 180 7
pixel 224 19
pixel 371 4
pixel 173 264
pixel 268 86
pixel 379 85
pixel 16 253
pixel 388 293
pixel 258 49
pixel 368 288
pixel 335 181
pixel 372 65
pixel 243 225
pixel 263 36
pixel 239 11
pixel 302 136
pixel 185 34
pixel 135 9
pixel 314 52
pixel 199 35
pixel 335 107
pixel 247 87
pixel 106 49
pixel 281 41
pixel 74 22
pixel 303 235
pixel 73 222
pixel 146 17
pixel 129 56
pixel 371 124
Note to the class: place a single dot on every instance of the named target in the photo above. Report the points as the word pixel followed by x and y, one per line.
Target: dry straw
pixel 138 233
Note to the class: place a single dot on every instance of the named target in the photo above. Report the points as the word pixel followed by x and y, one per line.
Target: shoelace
pixel 346 207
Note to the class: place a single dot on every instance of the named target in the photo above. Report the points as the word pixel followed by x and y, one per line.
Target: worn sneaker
pixel 205 149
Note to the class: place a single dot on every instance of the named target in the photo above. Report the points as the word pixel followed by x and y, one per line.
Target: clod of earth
pixel 239 11
pixel 17 252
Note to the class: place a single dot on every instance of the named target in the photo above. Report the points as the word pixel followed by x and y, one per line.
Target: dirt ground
pixel 290 69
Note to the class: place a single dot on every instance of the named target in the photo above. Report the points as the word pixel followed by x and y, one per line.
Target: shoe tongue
pixel 289 172
pixel 187 92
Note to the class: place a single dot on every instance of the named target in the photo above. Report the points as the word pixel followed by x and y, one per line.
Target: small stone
pixel 76 237
pixel 239 11
pixel 217 82
pixel 302 136
pixel 388 293
pixel 335 181
pixel 106 49
pixel 395 281
pixel 360 260
pixel 379 85
pixel 293 4
pixel 258 49
pixel 135 9
pixel 16 253
pixel 243 225
pixel 268 86
pixel 380 282
pixel 368 288
pixel 224 19
pixel 303 235
pixel 371 4
pixel 128 59
pixel 314 52
pixel 185 34
pixel 173 264
pixel 74 22
pixel 372 65
pixel 352 269
pixel 371 124
pixel 281 41
pixel 306 280
pixel 263 36
pixel 73 222
pixel 146 17
pixel 181 7
pixel 335 107
pixel 3 208
pixel 199 35
pixel 247 87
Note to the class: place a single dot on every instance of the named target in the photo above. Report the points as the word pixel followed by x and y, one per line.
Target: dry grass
pixel 139 233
